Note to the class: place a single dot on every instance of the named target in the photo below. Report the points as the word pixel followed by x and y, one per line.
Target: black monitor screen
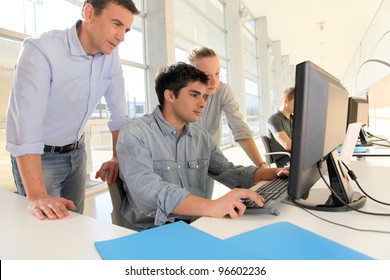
pixel 320 114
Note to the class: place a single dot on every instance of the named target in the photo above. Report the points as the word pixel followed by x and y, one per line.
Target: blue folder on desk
pixel 180 241
pixel 285 241
pixel 177 241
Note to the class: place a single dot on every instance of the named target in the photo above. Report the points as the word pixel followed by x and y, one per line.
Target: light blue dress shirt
pixel 160 169
pixel 56 88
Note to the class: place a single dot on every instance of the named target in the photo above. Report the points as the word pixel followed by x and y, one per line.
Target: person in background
pixel 165 159
pixel 220 97
pixel 59 79
pixel 279 128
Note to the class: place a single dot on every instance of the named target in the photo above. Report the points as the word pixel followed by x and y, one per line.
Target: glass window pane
pixel 249 42
pixel 9 51
pixel 251 87
pixel 135 91
pixel 252 106
pixel 213 8
pixel 255 125
pixel 132 48
pixel 193 25
pixel 11 17
pixel 46 16
pixel 250 63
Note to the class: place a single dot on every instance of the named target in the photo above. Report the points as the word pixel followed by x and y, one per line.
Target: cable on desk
pixel 342 201
pixel 354 178
pixel 335 223
pixel 379 139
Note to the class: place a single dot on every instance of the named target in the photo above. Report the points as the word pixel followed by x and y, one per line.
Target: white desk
pixel 22 236
pixel 374 151
pixel 373 179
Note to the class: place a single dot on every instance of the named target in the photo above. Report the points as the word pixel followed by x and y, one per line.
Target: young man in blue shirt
pixel 59 79
pixel 165 158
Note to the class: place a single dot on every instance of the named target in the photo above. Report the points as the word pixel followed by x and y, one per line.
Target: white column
pixel 235 47
pixel 160 42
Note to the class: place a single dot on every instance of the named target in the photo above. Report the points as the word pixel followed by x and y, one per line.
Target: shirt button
pixel 168 167
pixel 178 166
pixel 197 166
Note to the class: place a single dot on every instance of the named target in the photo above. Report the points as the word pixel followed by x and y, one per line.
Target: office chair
pixel 268 153
pixel 117 194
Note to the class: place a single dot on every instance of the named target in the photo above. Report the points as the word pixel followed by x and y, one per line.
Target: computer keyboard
pixel 273 192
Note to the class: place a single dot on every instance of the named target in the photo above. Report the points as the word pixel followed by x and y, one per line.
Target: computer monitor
pixel 358 112
pixel 320 114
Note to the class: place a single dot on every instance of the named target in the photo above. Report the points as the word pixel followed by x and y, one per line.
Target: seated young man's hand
pixel 231 203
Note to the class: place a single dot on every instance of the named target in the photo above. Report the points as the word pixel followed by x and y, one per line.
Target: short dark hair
pixel 176 76
pixel 100 5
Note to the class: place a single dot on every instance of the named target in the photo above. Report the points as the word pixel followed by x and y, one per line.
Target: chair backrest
pixel 268 153
pixel 117 194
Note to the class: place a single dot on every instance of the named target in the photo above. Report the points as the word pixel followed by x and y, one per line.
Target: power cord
pixel 354 178
pixel 342 201
pixel 334 223
pixel 380 139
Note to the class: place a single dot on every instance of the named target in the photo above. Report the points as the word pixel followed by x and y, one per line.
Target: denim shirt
pixel 159 169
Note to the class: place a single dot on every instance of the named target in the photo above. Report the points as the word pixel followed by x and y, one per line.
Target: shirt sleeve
pixel 274 124
pixel 28 102
pixel 239 127
pixel 116 98
pixel 227 173
pixel 155 197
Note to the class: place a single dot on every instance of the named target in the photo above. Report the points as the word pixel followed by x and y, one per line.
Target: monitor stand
pixel 322 199
pixel 363 139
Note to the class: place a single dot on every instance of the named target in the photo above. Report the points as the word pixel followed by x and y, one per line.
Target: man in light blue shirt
pixel 165 159
pixel 59 79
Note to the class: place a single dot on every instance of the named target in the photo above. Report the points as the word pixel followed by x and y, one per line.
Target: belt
pixel 64 149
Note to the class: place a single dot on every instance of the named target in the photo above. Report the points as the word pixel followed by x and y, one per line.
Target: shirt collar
pixel 75 46
pixel 165 127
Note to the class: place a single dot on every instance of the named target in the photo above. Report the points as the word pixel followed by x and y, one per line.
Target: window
pixel 252 76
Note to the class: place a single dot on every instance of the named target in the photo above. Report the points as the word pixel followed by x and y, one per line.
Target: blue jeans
pixel 64 175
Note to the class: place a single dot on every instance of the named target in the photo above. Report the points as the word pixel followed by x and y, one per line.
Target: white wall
pixel 363 71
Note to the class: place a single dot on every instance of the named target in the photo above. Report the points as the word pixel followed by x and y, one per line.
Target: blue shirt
pixel 159 169
pixel 56 88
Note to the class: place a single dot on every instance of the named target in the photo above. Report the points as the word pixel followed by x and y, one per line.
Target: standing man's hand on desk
pixel 40 204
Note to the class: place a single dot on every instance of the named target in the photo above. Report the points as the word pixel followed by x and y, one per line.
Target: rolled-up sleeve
pixel 28 102
pixel 229 174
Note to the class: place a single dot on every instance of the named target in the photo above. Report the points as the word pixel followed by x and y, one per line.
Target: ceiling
pixel 327 32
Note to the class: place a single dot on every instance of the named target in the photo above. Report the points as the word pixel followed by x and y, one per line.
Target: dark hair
pixel 176 76
pixel 289 93
pixel 100 5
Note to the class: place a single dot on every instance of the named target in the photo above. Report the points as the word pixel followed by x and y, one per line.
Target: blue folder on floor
pixel 177 241
pixel 285 241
